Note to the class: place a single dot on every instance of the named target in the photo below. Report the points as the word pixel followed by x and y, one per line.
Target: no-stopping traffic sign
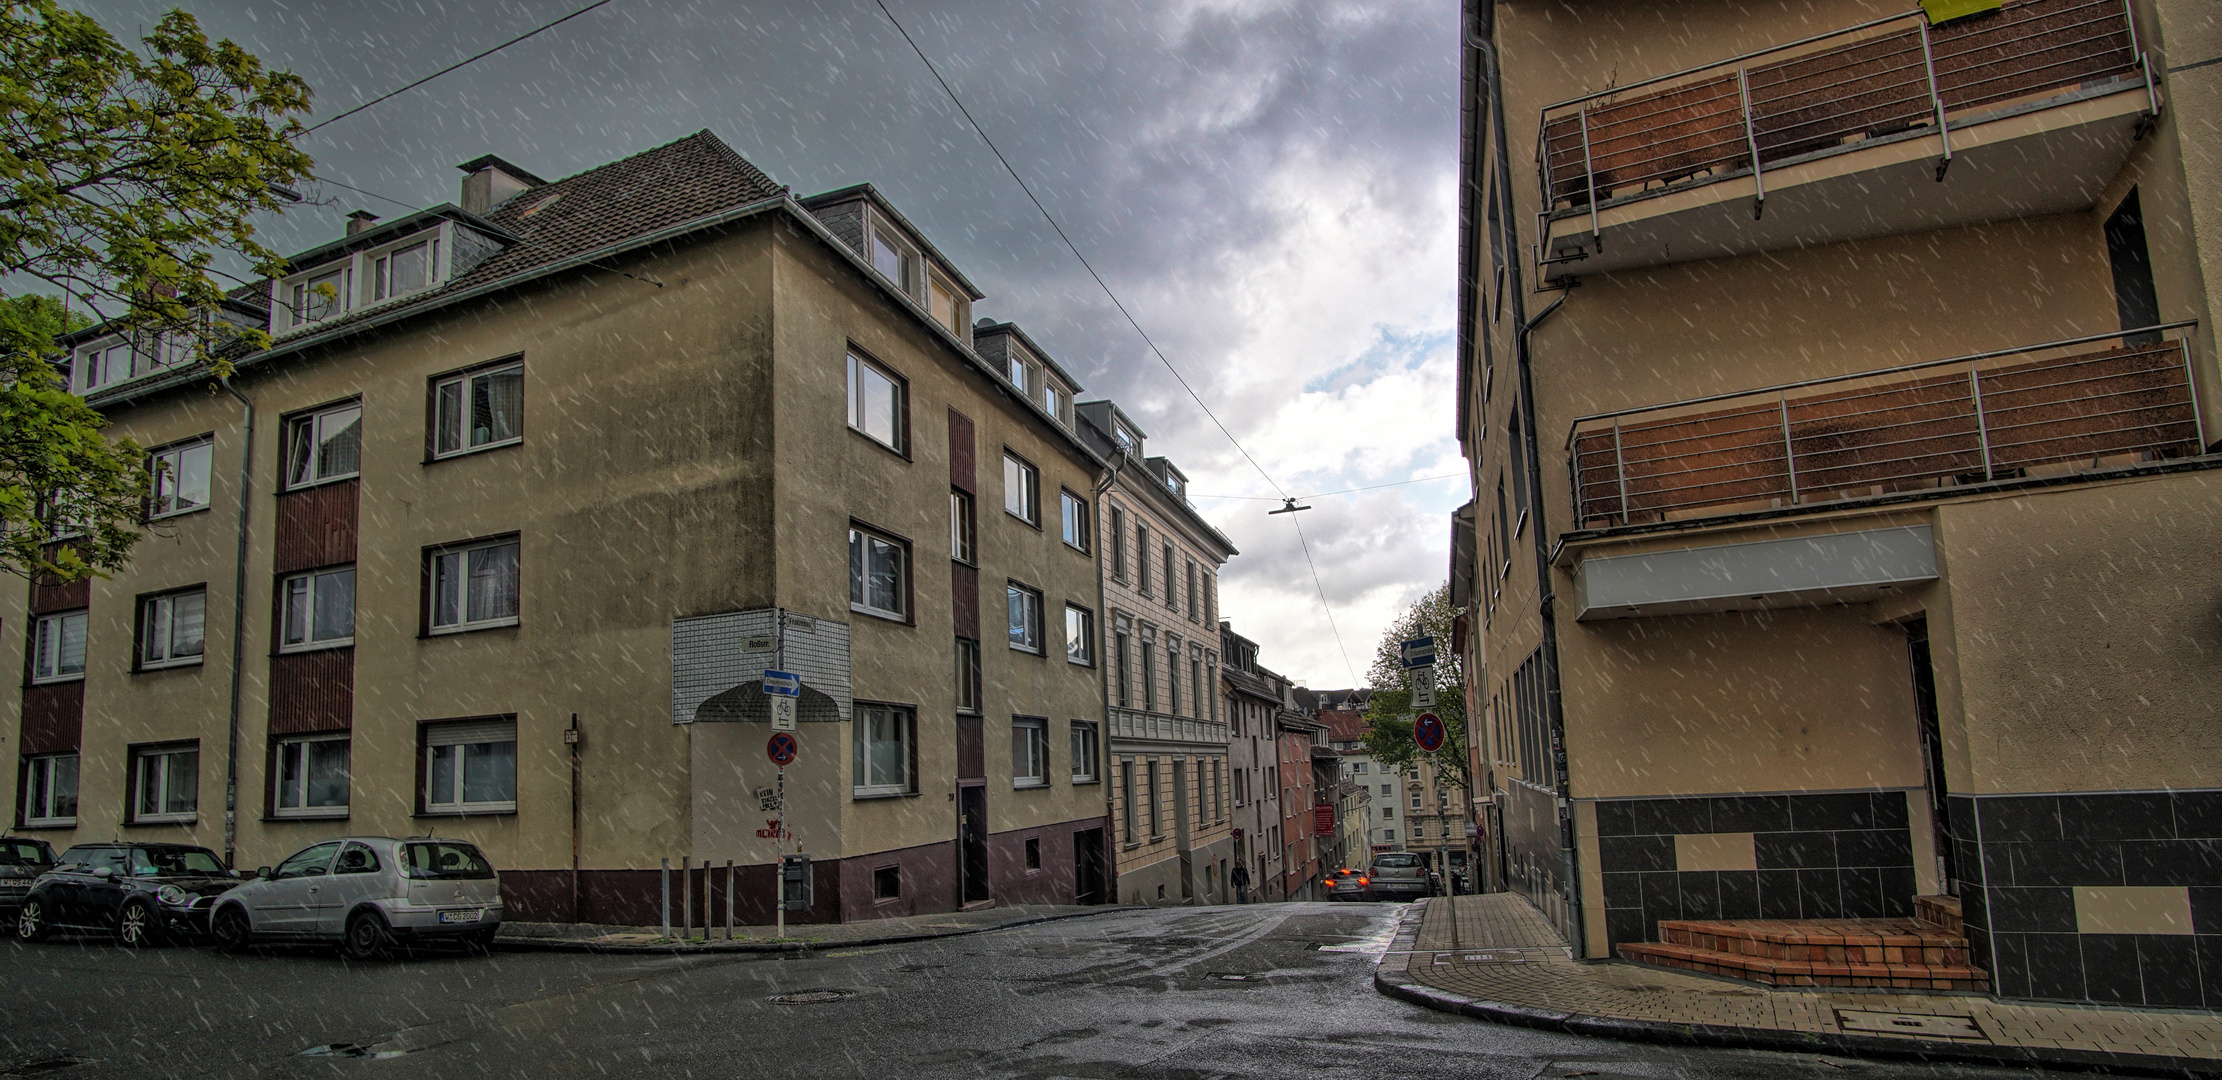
pixel 782 749
pixel 1427 730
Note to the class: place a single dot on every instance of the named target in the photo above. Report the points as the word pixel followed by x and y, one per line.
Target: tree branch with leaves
pixel 1389 711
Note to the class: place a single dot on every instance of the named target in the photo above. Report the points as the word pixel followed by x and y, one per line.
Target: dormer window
pixel 319 296
pixel 403 270
pixel 1053 399
pixel 895 260
pixel 945 304
pixel 111 360
pixel 1018 371
pixel 1125 438
pixel 1172 484
pixel 367 278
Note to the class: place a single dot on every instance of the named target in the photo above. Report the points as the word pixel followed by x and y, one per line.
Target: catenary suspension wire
pixel 466 62
pixel 1130 319
pixel 1344 491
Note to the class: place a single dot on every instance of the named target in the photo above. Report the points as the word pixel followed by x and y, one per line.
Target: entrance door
pixel 1932 748
pixel 1087 866
pixel 972 841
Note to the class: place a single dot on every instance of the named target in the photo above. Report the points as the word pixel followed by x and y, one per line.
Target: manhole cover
pixel 1926 1025
pixel 811 997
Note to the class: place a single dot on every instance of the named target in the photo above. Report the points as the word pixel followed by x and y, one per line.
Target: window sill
pixel 1029 785
pixel 165 819
pixel 1086 781
pixel 450 455
pixel 49 823
pixel 1030 652
pixel 489 811
pixel 307 484
pixel 467 628
pixel 59 681
pixel 177 513
pixel 1070 546
pixel 899 620
pixel 308 815
pixel 1034 525
pixel 328 646
pixel 167 665
pixel 897 451
pixel 869 796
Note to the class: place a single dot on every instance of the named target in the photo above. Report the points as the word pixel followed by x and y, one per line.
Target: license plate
pixel 458 916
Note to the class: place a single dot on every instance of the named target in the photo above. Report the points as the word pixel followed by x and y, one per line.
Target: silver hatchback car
pixel 369 894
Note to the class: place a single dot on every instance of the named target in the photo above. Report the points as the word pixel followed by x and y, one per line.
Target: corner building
pixel 526 495
pixel 1844 467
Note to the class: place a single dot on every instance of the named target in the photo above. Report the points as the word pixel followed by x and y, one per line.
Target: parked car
pixel 144 893
pixel 1400 875
pixel 1348 884
pixel 22 860
pixel 369 894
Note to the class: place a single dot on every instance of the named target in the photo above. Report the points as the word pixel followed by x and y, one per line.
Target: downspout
pixel 1103 615
pixel 238 626
pixel 1483 39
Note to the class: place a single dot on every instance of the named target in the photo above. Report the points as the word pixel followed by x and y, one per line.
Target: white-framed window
pixel 1029 752
pixel 1026 617
pixel 1388 835
pixel 50 790
pixel 1075 524
pixel 165 783
pixel 894 257
pixel 367 278
pixel 1416 800
pixel 1020 372
pixel 878 404
pixel 58 647
pixel 1022 489
pixel 311 776
pixel 474 586
pixel 945 304
pixel 1357 768
pixel 119 358
pixel 470 767
pixel 404 268
pixel 313 296
pixel 1085 769
pixel 319 610
pixel 180 477
pixel 478 410
pixel 1053 400
pixel 963 528
pixel 1080 635
pixel 171 628
pixel 968 676
pixel 324 445
pixel 881 752
pixel 1124 436
pixel 879 575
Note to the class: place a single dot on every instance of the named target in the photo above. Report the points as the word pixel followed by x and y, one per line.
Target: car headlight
pixel 173 896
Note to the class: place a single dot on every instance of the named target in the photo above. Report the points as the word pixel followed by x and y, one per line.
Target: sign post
pixel 781 748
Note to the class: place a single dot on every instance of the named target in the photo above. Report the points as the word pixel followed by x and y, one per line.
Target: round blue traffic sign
pixel 781 749
pixel 1427 730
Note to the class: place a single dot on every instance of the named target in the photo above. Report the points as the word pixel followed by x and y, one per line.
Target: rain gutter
pixel 238 624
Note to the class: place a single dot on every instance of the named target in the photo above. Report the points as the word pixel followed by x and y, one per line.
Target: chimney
pixel 490 182
pixel 360 220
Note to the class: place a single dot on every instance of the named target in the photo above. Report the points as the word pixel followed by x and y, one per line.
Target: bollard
pixel 728 899
pixel 686 897
pixel 667 896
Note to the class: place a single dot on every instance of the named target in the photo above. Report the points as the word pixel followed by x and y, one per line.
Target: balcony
pixel 1887 127
pixel 2057 409
pixel 1135 725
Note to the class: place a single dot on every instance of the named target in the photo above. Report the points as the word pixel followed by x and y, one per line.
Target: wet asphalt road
pixel 1125 994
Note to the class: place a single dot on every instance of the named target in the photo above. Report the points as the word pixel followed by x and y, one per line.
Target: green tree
pixel 124 176
pixel 1389 710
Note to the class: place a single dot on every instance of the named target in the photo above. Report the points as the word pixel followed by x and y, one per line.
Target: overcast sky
pixel 1270 187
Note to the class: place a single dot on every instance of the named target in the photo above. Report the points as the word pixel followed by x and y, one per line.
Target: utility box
pixel 794 882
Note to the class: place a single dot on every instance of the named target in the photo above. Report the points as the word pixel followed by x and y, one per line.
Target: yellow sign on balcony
pixel 1947 10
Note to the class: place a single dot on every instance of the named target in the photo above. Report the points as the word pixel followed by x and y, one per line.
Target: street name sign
pixel 1418 652
pixel 781 749
pixel 782 682
pixel 1427 731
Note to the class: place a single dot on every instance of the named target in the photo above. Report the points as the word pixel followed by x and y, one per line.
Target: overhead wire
pixel 1344 491
pixel 465 62
pixel 977 129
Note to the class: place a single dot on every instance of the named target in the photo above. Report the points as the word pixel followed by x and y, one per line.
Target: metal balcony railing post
pixel 1620 469
pixel 1789 451
pixel 1982 423
pixel 2144 64
pixel 1751 141
pixel 2191 387
pixel 1589 167
pixel 1936 101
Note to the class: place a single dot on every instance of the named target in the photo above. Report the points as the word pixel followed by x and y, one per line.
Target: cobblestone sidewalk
pixel 592 937
pixel 1495 957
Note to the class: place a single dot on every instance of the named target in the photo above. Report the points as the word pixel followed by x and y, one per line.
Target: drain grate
pixel 811 997
pixel 1926 1025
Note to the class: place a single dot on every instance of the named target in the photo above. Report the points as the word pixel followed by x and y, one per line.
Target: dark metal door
pixel 1087 868
pixel 972 841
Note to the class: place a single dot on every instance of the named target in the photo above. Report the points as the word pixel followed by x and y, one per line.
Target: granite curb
pixel 535 943
pixel 1392 978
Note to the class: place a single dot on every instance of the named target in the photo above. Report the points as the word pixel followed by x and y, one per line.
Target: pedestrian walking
pixel 1241 879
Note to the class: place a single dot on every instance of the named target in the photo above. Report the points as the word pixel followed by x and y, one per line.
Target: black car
pixel 142 892
pixel 22 860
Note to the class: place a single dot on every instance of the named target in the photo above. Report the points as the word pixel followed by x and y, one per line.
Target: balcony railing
pixel 2077 406
pixel 1745 115
pixel 1165 727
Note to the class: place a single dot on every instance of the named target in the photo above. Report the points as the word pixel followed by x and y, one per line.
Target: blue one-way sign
pixel 1418 652
pixel 782 682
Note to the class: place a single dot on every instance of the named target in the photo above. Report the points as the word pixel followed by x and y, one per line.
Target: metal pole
pixel 1789 452
pixel 728 899
pixel 2191 386
pixel 238 625
pixel 2144 63
pixel 1620 466
pixel 1751 141
pixel 666 877
pixel 572 737
pixel 1589 167
pixel 779 868
pixel 1982 424
pixel 1944 133
pixel 686 896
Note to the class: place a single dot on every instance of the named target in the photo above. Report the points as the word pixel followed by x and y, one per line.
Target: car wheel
pixel 367 937
pixel 138 926
pixel 30 920
pixel 232 931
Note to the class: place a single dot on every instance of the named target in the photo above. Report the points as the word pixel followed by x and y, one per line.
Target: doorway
pixel 1932 750
pixel 972 841
pixel 1087 866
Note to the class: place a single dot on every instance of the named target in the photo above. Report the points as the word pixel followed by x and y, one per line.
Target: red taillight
pixel 1365 881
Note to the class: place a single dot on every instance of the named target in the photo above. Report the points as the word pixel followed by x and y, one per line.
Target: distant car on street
pixel 22 860
pixel 369 894
pixel 1400 875
pixel 1348 884
pixel 144 893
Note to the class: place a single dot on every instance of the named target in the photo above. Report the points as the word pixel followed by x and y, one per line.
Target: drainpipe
pixel 1110 888
pixel 1482 40
pixel 238 625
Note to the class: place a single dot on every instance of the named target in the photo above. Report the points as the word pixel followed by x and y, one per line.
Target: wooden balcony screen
pixel 1961 425
pixel 1841 93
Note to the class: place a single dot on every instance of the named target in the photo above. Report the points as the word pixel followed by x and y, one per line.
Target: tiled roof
pixel 1344 725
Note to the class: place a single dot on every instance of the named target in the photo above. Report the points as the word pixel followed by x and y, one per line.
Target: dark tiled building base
pixel 2020 861
pixel 1830 856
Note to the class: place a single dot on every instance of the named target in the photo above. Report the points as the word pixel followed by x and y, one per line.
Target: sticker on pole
pixel 1427 730
pixel 782 748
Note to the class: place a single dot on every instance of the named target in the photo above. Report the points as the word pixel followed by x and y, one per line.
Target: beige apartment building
pixel 1840 390
pixel 499 537
pixel 1166 738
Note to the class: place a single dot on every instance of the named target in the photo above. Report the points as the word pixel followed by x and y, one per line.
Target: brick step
pixel 1834 941
pixel 1773 972
pixel 1941 913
